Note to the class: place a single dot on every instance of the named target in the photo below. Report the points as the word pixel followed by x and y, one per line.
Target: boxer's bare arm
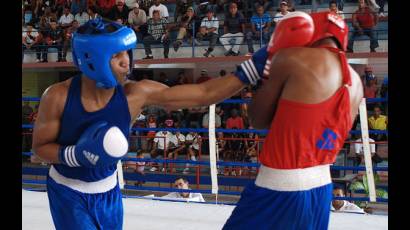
pixel 263 105
pixel 47 125
pixel 185 96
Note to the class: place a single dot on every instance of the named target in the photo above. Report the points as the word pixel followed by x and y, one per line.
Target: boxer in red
pixel 308 100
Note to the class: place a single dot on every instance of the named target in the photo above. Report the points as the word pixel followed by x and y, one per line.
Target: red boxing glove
pixel 296 29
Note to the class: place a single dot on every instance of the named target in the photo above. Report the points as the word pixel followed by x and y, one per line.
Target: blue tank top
pixel 75 120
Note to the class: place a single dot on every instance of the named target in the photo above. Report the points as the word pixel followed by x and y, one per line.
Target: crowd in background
pixel 50 24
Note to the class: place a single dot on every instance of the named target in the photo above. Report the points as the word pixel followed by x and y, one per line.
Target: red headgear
pixel 330 25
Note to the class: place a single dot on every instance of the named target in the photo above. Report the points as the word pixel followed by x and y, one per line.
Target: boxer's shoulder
pixel 56 94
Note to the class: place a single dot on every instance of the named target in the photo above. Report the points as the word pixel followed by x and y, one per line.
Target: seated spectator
pixel 185 27
pixel 182 183
pixel 106 6
pixel 221 147
pixel 334 10
pixel 92 12
pixel 120 10
pixel 260 25
pixel 192 141
pixel 208 31
pixel 178 145
pixel 218 122
pixel 234 27
pixel 378 122
pixel 250 147
pixel 343 205
pixel 151 123
pixel 137 19
pixel 32 40
pixel 204 77
pixel 235 151
pixel 78 6
pixel 157 33
pixel 82 17
pixel 364 21
pixel 370 88
pixel 163 78
pixel 60 5
pixel 145 5
pixel 284 10
pixel 163 10
pixel 68 33
pixel 381 9
pixel 202 9
pixel 239 4
pixel 181 7
pixel 66 19
pixel 48 15
pixel 359 151
pixel 140 167
pixel 37 9
pixel 162 143
pixel 182 79
pixel 235 121
pixel 53 39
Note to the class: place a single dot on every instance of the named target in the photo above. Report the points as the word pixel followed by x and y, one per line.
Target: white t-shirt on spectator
pixel 176 137
pixel 348 207
pixel 358 147
pixel 195 143
pixel 163 10
pixel 33 34
pixel 192 197
pixel 83 18
pixel 213 23
pixel 205 120
pixel 279 16
pixel 66 19
pixel 163 139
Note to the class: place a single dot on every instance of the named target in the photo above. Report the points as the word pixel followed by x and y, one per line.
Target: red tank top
pixel 306 135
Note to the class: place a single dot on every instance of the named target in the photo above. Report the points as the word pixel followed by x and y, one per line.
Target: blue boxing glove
pixel 100 145
pixel 251 70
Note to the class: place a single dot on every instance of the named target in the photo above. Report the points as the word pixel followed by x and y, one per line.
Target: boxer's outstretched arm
pixel 47 124
pixel 189 95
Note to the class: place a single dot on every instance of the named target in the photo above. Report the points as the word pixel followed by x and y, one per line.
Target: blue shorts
pixel 260 208
pixel 71 209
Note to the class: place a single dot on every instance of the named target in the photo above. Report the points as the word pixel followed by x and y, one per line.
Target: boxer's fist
pixel 100 145
pixel 296 29
pixel 250 71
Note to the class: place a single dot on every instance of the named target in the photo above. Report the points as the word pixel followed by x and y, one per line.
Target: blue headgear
pixel 93 46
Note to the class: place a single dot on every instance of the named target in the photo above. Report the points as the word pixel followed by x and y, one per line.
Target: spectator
pixel 82 17
pixel 31 40
pixel 359 151
pixel 192 140
pixel 260 25
pixel 381 9
pixel 120 10
pixel 185 27
pixel 378 122
pixel 48 16
pixel 284 10
pixel 60 5
pixel 140 167
pixel 234 27
pixel 68 33
pixel 178 145
pixel 92 12
pixel 222 73
pixel 208 31
pixel 235 152
pixel 182 79
pixel 151 123
pixel 26 110
pixel 163 10
pixel 334 10
pixel 54 39
pixel 251 146
pixel 343 205
pixel 37 7
pixel 157 33
pixel 163 78
pixel 181 7
pixel 33 116
pixel 370 88
pixel 106 6
pixel 146 4
pixel 220 144
pixel 202 9
pixel 169 121
pixel 78 6
pixel 66 19
pixel 364 20
pixel 218 122
pixel 204 77
pixel 235 121
pixel 182 183
pixel 137 19
pixel 162 142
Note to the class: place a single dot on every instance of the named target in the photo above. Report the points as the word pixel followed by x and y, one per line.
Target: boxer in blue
pixel 83 123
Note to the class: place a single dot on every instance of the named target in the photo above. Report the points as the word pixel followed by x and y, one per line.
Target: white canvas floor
pixel 158 215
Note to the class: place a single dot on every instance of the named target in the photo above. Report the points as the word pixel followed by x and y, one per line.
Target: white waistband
pixel 100 186
pixel 293 179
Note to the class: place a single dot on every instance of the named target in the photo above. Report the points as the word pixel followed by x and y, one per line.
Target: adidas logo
pixel 91 157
